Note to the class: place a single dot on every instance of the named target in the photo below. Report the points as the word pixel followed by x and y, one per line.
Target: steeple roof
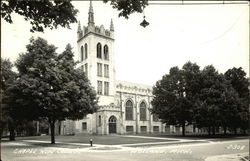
pixel 79 27
pixel 111 25
pixel 91 14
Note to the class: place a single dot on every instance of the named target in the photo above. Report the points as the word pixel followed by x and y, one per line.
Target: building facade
pixel 124 106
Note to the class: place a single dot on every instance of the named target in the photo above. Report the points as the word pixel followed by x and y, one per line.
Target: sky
pixel 215 35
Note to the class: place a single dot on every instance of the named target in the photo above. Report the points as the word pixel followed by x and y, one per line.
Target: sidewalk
pixel 230 157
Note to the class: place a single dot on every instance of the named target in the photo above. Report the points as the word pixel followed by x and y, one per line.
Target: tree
pixel 7 77
pixel 170 103
pixel 207 111
pixel 50 87
pixel 51 14
pixel 230 109
pixel 240 83
pixel 176 94
pixel 217 103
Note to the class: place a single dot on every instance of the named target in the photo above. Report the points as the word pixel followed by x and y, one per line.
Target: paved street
pixel 126 147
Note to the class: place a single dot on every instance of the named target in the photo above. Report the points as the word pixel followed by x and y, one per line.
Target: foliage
pixel 175 95
pixel 240 83
pixel 42 14
pixel 49 86
pixel 7 77
pixel 128 7
pixel 202 97
pixel 238 79
pixel 51 14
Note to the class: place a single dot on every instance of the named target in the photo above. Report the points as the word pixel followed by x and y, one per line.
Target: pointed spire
pixel 91 14
pixel 111 25
pixel 79 27
pixel 91 7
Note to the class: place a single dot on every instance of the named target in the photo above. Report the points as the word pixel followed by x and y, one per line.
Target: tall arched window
pixel 82 53
pixel 106 52
pixel 99 50
pixel 129 110
pixel 86 51
pixel 143 111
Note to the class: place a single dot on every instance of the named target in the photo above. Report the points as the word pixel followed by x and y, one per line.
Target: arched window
pixel 143 111
pixel 99 50
pixel 100 120
pixel 86 51
pixel 106 52
pixel 129 110
pixel 82 53
pixel 112 119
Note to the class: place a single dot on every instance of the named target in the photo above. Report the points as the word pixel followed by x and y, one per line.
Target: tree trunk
pixel 213 130
pixel 11 130
pixel 235 131
pixel 1 139
pixel 209 130
pixel 244 131
pixel 52 130
pixel 183 129
pixel 225 130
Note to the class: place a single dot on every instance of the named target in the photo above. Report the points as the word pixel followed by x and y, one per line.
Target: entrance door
pixel 112 124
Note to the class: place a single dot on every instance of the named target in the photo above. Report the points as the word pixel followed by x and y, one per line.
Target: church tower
pixel 96 56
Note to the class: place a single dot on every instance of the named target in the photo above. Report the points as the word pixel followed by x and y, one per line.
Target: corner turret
pixel 111 25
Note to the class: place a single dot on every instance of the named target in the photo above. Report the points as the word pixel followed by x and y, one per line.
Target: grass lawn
pixel 97 139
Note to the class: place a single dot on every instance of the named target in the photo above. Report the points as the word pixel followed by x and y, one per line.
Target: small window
pixel 99 87
pixel 106 52
pixel 156 128
pixel 106 70
pixel 84 126
pixel 106 88
pixel 129 129
pixel 143 129
pixel 167 128
pixel 82 54
pixel 100 120
pixel 99 69
pixel 86 51
pixel 99 50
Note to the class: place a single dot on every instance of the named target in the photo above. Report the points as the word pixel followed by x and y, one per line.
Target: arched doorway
pixel 112 124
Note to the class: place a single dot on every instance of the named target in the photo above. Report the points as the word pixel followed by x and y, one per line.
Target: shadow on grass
pixel 166 144
pixel 59 145
pixel 198 136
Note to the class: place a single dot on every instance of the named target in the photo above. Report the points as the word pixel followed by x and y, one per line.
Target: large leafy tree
pixel 202 97
pixel 51 14
pixel 240 83
pixel 175 95
pixel 170 103
pixel 7 77
pixel 218 103
pixel 50 87
pixel 230 111
pixel 207 111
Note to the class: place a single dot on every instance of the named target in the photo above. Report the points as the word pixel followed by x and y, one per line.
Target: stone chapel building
pixel 124 106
